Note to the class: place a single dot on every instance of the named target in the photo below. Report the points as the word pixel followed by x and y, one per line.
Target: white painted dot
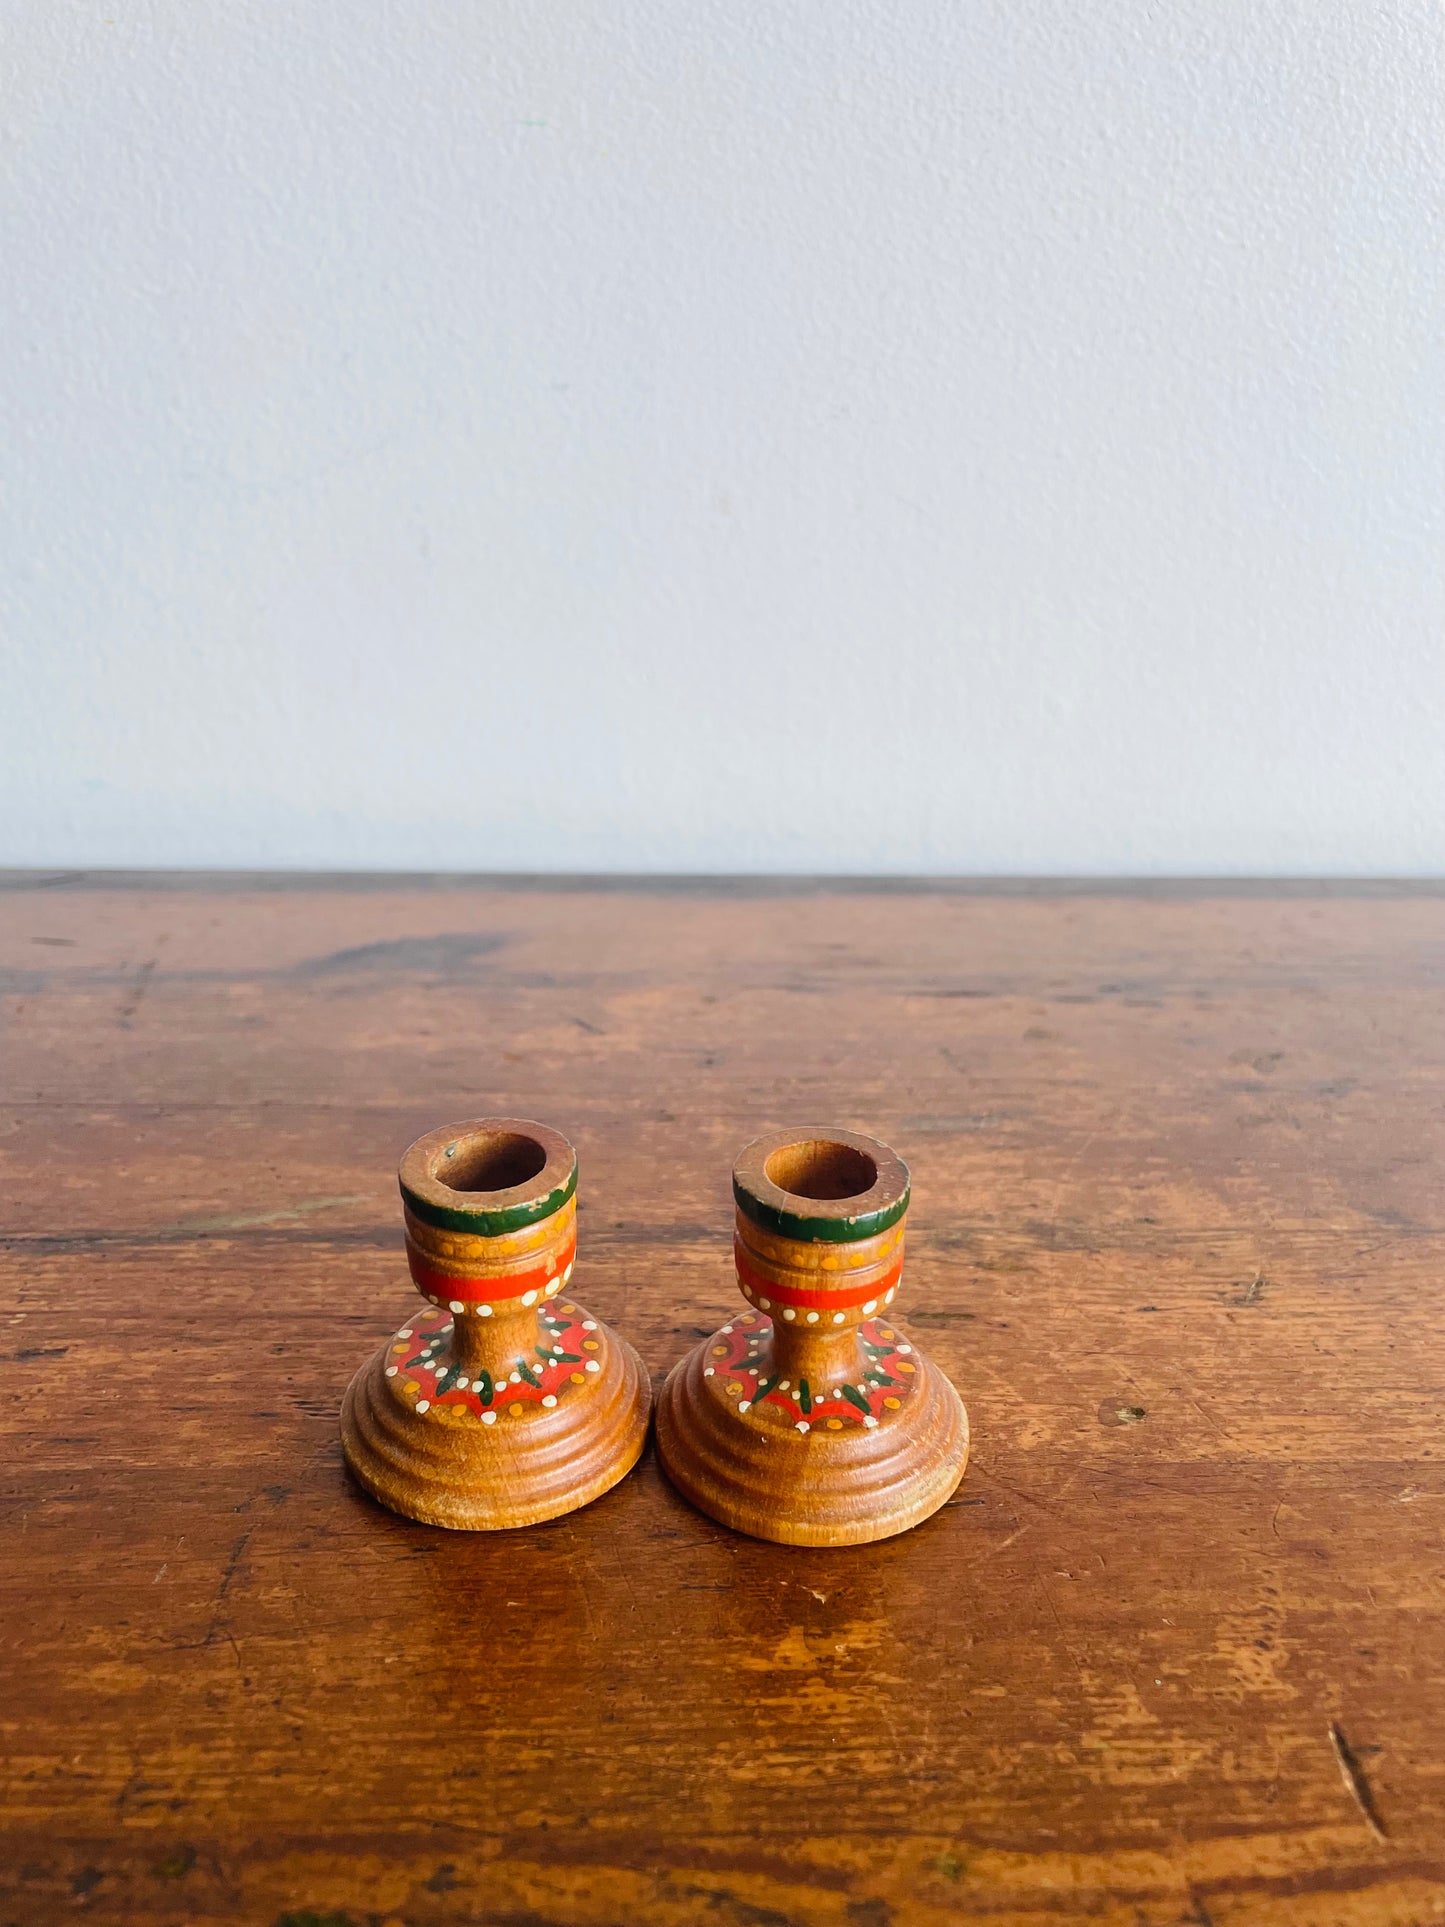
pixel 568 1272
pixel 592 1366
pixel 812 1318
pixel 391 1371
pixel 766 1304
pixel 406 1333
pixel 888 1295
pixel 554 1287
pixel 785 1385
pixel 423 1405
pixel 707 1371
pixel 432 1300
pixel 870 1421
pixel 489 1418
pixel 870 1307
pixel 550 1399
pixel 484 1311
pixel 905 1348
pixel 837 1317
pixel 529 1297
pixel 455 1304
pixel 726 1332
pixel 789 1313
pixel 744 1404
pixel 803 1425
pixel 558 1350
pixel 589 1324
pixel 462 1384
pixel 516 1378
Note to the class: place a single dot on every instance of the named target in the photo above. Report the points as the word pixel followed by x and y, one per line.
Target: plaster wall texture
pixel 822 435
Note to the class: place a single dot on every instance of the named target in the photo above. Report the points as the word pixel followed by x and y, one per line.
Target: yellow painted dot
pixel 411 1386
pixel 835 1425
pixel 883 1332
pixel 568 1311
pixel 892 1404
pixel 719 1351
pixel 516 1408
pixel 589 1344
pixel 577 1378
pixel 904 1366
pixel 398 1350
pixel 734 1389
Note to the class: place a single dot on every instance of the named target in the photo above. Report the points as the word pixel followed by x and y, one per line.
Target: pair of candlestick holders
pixel 807 1419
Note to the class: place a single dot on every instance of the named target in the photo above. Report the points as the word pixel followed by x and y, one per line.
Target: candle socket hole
pixel 817 1168
pixel 494 1161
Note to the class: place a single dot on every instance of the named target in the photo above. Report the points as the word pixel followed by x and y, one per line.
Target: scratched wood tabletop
pixel 1174 1654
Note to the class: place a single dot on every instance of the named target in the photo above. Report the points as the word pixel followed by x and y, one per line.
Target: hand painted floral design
pixel 431 1379
pixel 740 1358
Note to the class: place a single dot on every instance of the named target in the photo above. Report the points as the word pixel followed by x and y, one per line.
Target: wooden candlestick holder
pixel 810 1419
pixel 504 1402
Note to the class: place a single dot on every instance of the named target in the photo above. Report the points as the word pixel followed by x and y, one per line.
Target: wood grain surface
pixel 1174 1653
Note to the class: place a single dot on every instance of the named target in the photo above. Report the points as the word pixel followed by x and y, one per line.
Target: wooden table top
pixel 1175 1652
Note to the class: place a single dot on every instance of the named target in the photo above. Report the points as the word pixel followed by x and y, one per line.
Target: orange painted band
pixel 834 1300
pixel 442 1284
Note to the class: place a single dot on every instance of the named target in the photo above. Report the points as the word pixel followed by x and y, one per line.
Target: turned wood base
pixel 516 1466
pixel 839 1483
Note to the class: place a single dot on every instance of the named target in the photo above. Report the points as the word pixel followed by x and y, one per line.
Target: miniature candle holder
pixel 810 1418
pixel 503 1402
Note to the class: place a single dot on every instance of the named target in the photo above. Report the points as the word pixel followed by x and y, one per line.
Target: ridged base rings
pixel 449 1469
pixel 818 1487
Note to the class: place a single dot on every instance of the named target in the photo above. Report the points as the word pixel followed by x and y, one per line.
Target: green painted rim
pixel 819 1230
pixel 481 1222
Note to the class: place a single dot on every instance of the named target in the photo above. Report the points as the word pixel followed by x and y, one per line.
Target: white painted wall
pixel 944 435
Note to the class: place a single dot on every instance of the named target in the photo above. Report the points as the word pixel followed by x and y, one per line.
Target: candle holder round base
pixel 504 1402
pixel 810 1419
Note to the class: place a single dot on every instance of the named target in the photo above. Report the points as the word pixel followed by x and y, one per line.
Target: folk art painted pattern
pixel 431 1378
pixel 739 1357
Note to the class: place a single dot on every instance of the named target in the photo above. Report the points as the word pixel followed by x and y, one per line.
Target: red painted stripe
pixel 486 1291
pixel 834 1299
